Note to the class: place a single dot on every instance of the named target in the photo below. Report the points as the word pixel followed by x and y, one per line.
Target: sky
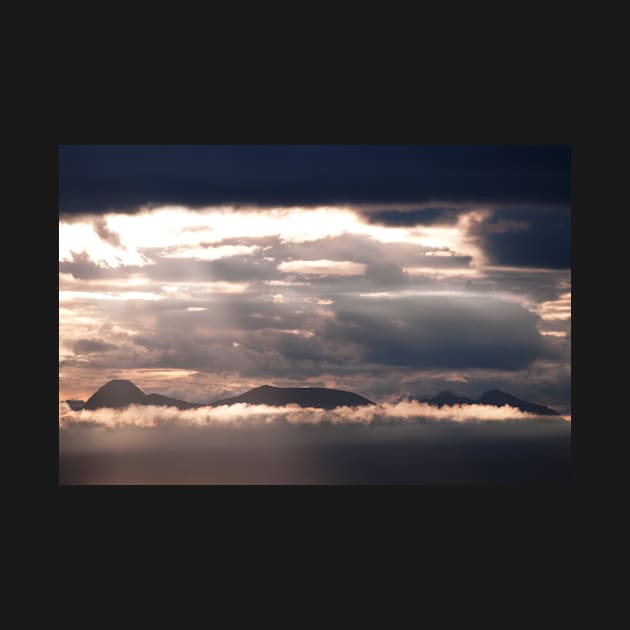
pixel 200 272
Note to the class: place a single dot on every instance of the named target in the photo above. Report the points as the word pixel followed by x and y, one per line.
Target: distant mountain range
pixel 121 393
pixel 494 397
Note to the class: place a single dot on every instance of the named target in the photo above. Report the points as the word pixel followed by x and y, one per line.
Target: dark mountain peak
pixel 117 393
pixel 122 393
pixel 120 382
pixel 75 405
pixel 120 385
pixel 498 398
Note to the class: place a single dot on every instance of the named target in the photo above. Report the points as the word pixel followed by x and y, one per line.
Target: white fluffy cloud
pixel 242 413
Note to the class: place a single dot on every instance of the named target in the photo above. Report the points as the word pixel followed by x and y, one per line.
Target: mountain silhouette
pixel 494 397
pixel 75 405
pixel 497 398
pixel 320 397
pixel 120 393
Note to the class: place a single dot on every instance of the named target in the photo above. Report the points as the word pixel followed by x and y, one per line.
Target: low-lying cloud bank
pixel 246 414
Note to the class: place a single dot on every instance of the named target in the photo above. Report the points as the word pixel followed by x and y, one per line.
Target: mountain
pixel 319 397
pixel 120 393
pixel 448 398
pixel 494 397
pixel 165 401
pixel 497 398
pixel 75 405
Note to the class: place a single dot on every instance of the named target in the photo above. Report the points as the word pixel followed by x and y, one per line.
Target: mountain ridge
pixel 120 393
pixel 321 397
pixel 498 398
pixel 493 397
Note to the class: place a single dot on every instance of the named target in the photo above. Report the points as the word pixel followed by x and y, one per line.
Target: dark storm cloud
pixel 536 286
pixel 440 331
pixel 536 238
pixel 100 178
pixel 423 216
pixel 430 332
pixel 531 237
pixel 259 337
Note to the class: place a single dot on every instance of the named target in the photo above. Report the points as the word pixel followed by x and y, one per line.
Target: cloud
pixel 93 241
pixel 438 331
pixel 90 346
pixel 245 414
pixel 283 302
pixel 69 296
pixel 539 237
pixel 80 265
pixel 100 178
pixel 444 272
pixel 109 236
pixel 323 267
pixel 559 309
pixel 193 271
pixel 213 253
pixel 422 216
